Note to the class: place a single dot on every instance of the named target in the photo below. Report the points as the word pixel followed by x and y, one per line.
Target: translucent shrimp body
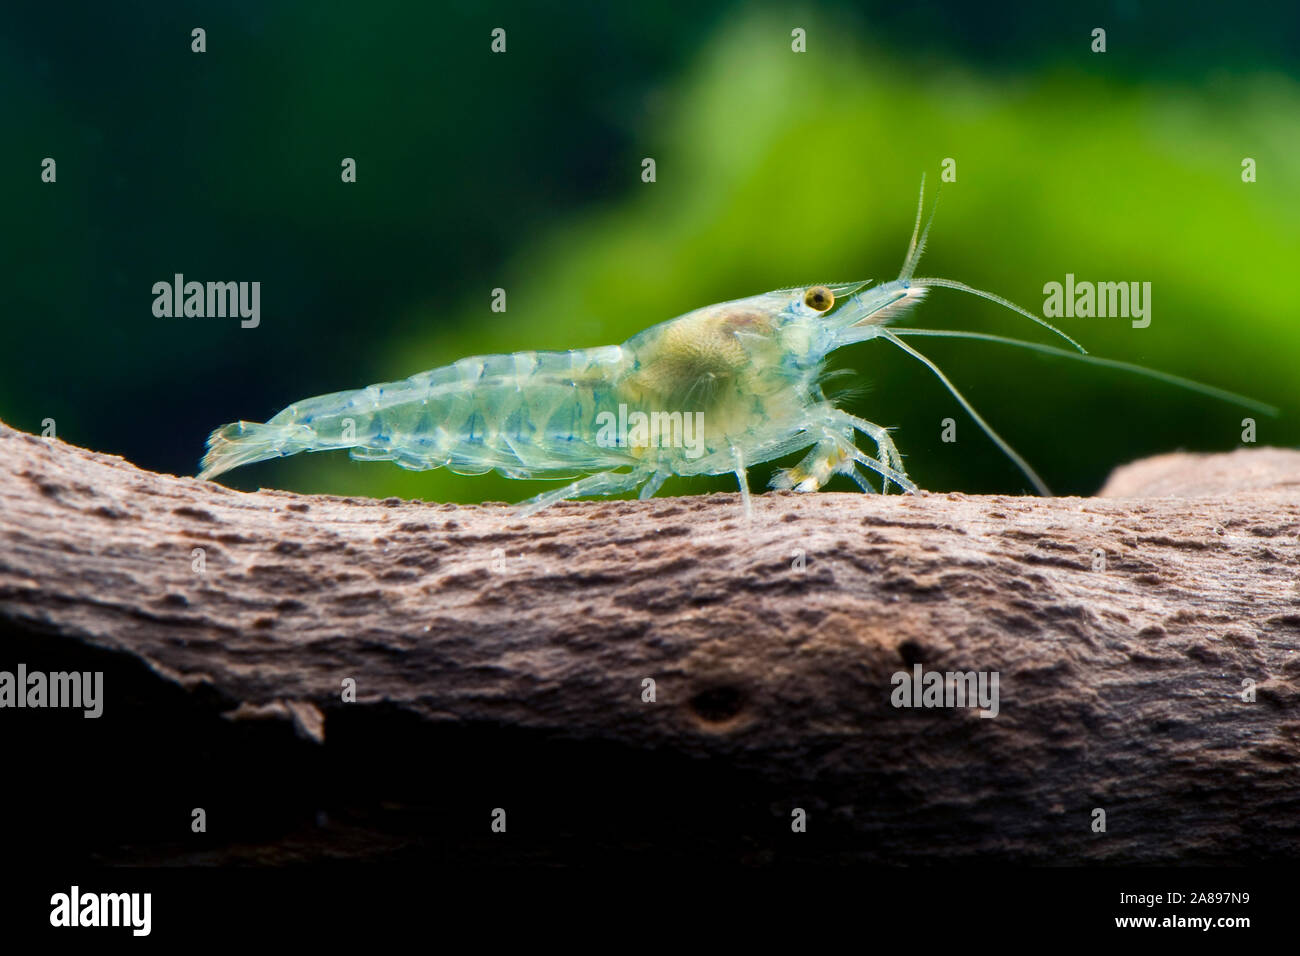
pixel 710 392
pixel 713 391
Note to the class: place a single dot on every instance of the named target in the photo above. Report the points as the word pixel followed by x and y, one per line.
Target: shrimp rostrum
pixel 714 391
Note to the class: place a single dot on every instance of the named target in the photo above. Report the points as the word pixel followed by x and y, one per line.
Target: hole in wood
pixel 911 652
pixel 717 705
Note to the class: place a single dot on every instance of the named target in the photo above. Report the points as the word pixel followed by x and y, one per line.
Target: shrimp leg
pixel 743 478
pixel 824 459
pixel 835 453
pixel 886 450
pixel 653 485
pixel 605 483
pixel 885 472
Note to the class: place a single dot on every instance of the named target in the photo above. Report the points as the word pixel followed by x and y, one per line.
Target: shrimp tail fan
pixel 242 443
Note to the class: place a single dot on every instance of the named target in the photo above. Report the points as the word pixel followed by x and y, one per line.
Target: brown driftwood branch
pixel 501 663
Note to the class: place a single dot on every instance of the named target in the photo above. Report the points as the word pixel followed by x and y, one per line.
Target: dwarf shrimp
pixel 714 391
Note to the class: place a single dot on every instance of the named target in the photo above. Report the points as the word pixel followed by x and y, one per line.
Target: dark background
pixel 522 171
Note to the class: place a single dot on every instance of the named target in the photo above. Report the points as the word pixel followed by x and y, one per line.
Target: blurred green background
pixel 523 171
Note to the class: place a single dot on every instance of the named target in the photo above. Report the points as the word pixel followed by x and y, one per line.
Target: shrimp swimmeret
pixel 711 392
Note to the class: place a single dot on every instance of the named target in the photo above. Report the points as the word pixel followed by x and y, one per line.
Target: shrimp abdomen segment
pixel 525 413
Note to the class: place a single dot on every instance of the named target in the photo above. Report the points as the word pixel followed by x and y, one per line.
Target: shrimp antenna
pixel 1006 303
pixel 1039 485
pixel 916 249
pixel 1187 383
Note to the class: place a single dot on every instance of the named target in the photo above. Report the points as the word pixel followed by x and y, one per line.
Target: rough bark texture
pixel 501 663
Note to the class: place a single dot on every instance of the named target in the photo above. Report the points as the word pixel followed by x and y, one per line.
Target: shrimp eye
pixel 819 298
